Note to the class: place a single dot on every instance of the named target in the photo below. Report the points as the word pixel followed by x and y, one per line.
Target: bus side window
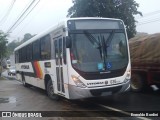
pixel 29 52
pixel 24 54
pixel 64 50
pixel 36 50
pixel 46 48
pixel 60 50
pixel 20 55
pixel 17 57
pixel 56 51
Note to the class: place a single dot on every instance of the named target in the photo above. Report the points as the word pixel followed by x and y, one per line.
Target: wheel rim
pixel 51 91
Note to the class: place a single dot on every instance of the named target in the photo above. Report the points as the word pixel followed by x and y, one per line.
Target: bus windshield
pixel 94 52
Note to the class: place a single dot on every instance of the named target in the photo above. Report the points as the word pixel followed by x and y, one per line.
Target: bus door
pixel 60 66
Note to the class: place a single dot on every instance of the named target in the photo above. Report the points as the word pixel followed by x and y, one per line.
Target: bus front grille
pixel 98 92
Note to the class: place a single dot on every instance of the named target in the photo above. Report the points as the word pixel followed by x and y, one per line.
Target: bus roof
pixel 57 26
pixel 39 36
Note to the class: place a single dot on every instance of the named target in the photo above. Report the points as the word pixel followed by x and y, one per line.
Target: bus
pixel 78 58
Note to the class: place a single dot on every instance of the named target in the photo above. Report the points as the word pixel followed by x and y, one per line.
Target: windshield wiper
pixel 92 39
pixel 104 50
pixel 105 45
pixel 108 41
pixel 101 43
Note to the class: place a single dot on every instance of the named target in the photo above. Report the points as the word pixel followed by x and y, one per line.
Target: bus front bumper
pixel 78 93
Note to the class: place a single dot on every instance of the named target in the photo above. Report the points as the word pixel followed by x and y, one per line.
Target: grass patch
pixel 2 78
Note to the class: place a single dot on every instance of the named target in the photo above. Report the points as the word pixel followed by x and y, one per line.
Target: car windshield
pixel 99 51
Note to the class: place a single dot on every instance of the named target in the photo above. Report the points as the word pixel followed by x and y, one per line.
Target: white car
pixel 12 71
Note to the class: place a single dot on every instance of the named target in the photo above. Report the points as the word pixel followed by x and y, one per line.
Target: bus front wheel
pixel 50 91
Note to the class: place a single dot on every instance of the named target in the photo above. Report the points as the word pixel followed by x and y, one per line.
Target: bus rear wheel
pixel 50 91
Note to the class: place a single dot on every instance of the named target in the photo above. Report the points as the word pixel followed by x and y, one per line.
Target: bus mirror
pixel 68 42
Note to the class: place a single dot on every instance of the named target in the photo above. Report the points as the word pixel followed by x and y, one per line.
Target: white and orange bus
pixel 79 58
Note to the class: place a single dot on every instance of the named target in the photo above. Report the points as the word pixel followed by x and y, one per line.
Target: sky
pixel 48 13
pixel 150 22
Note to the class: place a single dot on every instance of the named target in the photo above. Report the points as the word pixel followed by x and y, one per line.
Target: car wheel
pixel 50 91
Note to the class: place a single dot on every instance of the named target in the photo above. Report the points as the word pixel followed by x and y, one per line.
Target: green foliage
pixel 122 9
pixel 27 36
pixel 15 43
pixel 12 45
pixel 3 45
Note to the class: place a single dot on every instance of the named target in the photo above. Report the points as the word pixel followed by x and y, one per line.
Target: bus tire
pixel 50 91
pixel 137 83
pixel 24 81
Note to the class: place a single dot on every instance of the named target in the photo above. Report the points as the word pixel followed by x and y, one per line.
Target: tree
pixel 15 43
pixel 3 47
pixel 3 44
pixel 122 9
pixel 27 36
pixel 12 45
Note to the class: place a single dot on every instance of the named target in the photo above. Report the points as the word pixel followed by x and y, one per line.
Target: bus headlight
pixel 128 76
pixel 78 82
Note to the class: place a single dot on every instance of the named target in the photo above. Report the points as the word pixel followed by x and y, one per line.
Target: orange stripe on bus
pixel 38 70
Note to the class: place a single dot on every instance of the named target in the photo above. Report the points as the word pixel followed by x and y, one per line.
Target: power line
pixel 26 15
pixel 20 16
pixel 151 20
pixel 25 25
pixel 149 14
pixel 8 11
pixel 146 22
pixel 23 10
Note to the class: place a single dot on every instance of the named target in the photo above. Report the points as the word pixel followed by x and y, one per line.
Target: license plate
pixel 112 82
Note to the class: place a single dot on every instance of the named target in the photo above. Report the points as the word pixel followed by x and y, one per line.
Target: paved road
pixel 15 97
pixel 146 101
